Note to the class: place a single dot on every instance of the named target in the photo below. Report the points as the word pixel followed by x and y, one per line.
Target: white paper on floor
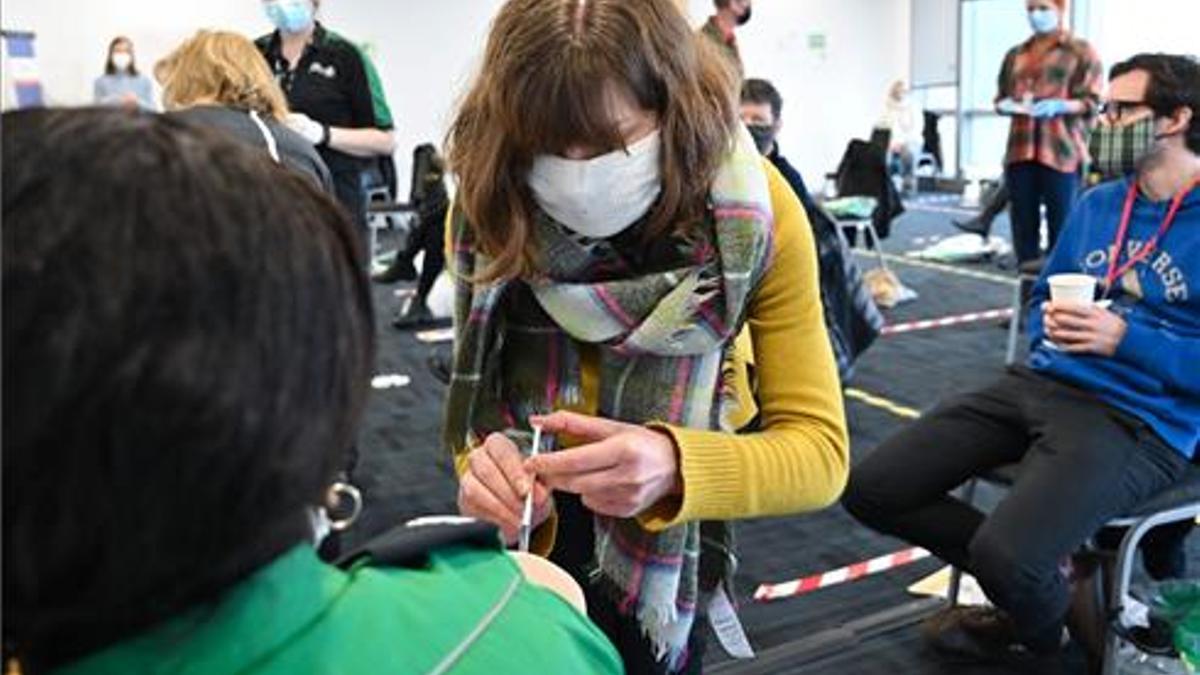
pixel 390 381
pixel 937 585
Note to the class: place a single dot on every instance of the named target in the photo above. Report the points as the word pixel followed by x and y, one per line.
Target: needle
pixel 527 515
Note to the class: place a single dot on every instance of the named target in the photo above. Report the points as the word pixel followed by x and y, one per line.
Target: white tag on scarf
pixel 728 627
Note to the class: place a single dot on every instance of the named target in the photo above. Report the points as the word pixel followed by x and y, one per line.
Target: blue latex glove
pixel 1050 107
pixel 1008 106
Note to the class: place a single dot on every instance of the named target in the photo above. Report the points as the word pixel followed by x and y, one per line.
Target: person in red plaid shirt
pixel 1050 85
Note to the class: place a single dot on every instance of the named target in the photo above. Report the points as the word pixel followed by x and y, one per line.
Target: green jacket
pixel 469 610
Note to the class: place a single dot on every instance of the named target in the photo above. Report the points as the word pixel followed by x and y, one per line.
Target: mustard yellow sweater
pixel 800 459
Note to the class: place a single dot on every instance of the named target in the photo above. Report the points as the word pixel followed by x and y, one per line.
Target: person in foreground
pixel 185 365
pixel 609 245
pixel 1106 414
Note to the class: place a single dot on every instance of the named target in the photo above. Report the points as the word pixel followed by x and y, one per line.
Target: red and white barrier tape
pixel 788 589
pixel 958 319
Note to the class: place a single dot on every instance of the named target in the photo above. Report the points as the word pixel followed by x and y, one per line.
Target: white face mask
pixel 602 196
pixel 122 60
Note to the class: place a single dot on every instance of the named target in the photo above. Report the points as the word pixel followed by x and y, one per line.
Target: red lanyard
pixel 1115 271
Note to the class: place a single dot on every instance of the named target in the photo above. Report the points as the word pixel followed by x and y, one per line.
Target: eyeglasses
pixel 1115 110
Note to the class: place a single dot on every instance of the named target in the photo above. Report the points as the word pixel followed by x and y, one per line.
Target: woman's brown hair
pixel 548 72
pixel 223 67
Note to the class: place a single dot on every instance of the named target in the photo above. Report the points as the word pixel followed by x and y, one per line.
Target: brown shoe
pixel 974 635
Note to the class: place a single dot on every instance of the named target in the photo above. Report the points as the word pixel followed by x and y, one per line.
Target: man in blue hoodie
pixel 1106 414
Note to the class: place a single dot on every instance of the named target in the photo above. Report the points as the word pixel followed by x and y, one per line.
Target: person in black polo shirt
pixel 335 95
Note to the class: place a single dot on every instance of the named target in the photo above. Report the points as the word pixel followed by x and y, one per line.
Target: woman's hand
pixel 620 470
pixel 1087 329
pixel 495 484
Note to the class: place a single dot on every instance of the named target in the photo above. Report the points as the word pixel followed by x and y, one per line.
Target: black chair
pixel 1179 503
pixel 384 210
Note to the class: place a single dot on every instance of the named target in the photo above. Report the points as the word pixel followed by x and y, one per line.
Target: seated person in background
pixel 219 79
pixel 431 202
pixel 899 118
pixel 993 204
pixel 851 317
pixel 1106 415
pixel 761 112
pixel 175 411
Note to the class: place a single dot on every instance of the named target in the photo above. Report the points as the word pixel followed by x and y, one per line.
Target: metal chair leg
pixel 968 496
pixel 1123 572
pixel 1014 325
pixel 870 226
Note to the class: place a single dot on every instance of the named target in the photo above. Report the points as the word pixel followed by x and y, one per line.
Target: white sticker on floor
pixel 390 381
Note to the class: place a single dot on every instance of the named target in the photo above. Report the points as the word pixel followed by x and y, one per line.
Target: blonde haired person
pixel 609 244
pixel 219 79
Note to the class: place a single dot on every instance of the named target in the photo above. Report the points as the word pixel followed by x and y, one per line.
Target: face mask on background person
pixel 764 137
pixel 122 60
pixel 290 16
pixel 602 196
pixel 1043 20
pixel 1118 151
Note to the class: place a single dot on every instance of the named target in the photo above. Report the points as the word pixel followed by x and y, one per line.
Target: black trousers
pixel 1032 185
pixel 1082 462
pixel 347 185
pixel 429 237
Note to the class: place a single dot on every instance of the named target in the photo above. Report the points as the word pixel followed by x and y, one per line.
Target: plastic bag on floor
pixel 886 289
pixel 1178 604
pixel 964 248
pixel 441 297
pixel 1174 628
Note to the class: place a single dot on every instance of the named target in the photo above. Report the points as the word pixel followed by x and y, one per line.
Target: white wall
pixel 832 96
pixel 1120 28
pixel 426 51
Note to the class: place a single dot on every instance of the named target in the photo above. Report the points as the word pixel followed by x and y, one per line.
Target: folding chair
pixel 1178 503
pixel 1027 273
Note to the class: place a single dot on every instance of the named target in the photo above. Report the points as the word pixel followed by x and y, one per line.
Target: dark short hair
pixel 188 338
pixel 1174 84
pixel 762 91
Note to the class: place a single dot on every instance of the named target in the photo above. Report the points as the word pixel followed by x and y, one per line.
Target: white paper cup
pixel 1072 289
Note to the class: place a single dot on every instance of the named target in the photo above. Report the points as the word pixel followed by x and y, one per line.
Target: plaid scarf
pixel 662 328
